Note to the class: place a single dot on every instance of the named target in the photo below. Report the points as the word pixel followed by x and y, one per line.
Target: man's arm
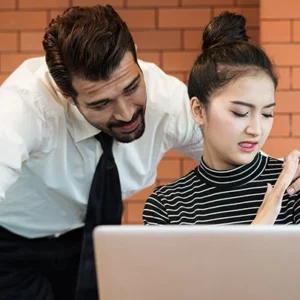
pixel 20 135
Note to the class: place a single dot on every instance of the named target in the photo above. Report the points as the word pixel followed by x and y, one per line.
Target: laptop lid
pixel 198 262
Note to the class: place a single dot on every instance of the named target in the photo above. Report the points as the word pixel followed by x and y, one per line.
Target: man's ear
pixel 66 96
pixel 198 111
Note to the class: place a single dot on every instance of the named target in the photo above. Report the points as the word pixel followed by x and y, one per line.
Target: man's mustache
pixel 122 123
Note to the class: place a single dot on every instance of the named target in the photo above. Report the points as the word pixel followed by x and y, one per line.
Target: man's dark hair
pixel 87 43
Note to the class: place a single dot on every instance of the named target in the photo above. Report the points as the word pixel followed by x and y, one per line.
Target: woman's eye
pixel 268 115
pixel 240 115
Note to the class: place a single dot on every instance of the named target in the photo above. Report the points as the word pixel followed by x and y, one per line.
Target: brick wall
pixel 168 32
pixel 280 37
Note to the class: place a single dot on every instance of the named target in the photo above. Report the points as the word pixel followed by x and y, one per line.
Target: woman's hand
pixel 295 186
pixel 271 205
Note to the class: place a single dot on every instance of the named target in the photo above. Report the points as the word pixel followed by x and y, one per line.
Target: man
pixel 50 114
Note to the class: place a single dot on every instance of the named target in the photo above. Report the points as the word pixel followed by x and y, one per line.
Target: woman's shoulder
pixel 177 186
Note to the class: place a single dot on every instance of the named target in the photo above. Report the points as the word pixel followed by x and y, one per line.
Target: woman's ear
pixel 198 111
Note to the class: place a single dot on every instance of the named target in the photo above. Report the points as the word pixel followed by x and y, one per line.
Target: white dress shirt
pixel 48 153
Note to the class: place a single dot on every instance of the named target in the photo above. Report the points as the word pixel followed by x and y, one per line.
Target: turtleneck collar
pixel 234 177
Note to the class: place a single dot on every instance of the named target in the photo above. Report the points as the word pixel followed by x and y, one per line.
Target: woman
pixel 231 87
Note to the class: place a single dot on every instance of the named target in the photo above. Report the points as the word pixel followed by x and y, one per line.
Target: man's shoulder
pixel 26 76
pixel 177 186
pixel 26 71
pixel 30 88
pixel 154 75
pixel 165 93
pixel 273 165
pixel 31 81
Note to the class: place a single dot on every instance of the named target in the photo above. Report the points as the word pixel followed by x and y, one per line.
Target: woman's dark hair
pixel 86 42
pixel 226 56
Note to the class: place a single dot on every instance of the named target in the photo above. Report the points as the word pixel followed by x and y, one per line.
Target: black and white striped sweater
pixel 206 196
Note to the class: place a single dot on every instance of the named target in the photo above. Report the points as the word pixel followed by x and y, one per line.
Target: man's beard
pixel 128 137
pixel 123 137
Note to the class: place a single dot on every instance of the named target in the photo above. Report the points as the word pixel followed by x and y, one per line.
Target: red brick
pixel 296 126
pixel 275 31
pixel 184 17
pixel 135 212
pixel 281 126
pixel 284 78
pixel 144 194
pixel 42 4
pixel 187 74
pixel 247 2
pixel 253 33
pixel 125 212
pixel 8 42
pixel 54 13
pixel 164 181
pixel 278 9
pixel 296 31
pixel 172 153
pixel 7 4
pixel 32 41
pixel 296 78
pixel 192 39
pixel 152 3
pixel 169 169
pixel 179 75
pixel 157 39
pixel 280 147
pixel 138 18
pixel 153 57
pixel 207 2
pixel 2 78
pixel 188 165
pixel 9 62
pixel 284 54
pixel 250 13
pixel 287 102
pixel 179 61
pixel 113 3
pixel 22 20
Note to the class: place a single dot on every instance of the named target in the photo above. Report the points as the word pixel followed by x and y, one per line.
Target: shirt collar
pixel 80 128
pixel 235 177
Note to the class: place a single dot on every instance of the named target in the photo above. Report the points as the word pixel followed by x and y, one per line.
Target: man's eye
pixel 102 105
pixel 131 90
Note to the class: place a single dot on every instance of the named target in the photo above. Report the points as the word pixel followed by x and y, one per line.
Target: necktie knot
pixel 106 142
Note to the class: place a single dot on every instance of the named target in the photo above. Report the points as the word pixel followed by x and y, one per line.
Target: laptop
pixel 198 262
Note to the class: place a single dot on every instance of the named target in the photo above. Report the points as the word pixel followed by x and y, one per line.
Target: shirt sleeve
pixel 20 135
pixel 154 211
pixel 184 131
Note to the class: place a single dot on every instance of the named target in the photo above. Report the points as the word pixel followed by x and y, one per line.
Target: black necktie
pixel 104 208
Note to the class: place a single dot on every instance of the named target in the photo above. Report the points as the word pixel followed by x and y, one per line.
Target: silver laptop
pixel 198 262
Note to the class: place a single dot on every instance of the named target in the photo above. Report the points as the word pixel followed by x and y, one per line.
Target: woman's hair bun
pixel 226 28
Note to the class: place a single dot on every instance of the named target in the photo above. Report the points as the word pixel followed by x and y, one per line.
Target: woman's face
pixel 237 121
